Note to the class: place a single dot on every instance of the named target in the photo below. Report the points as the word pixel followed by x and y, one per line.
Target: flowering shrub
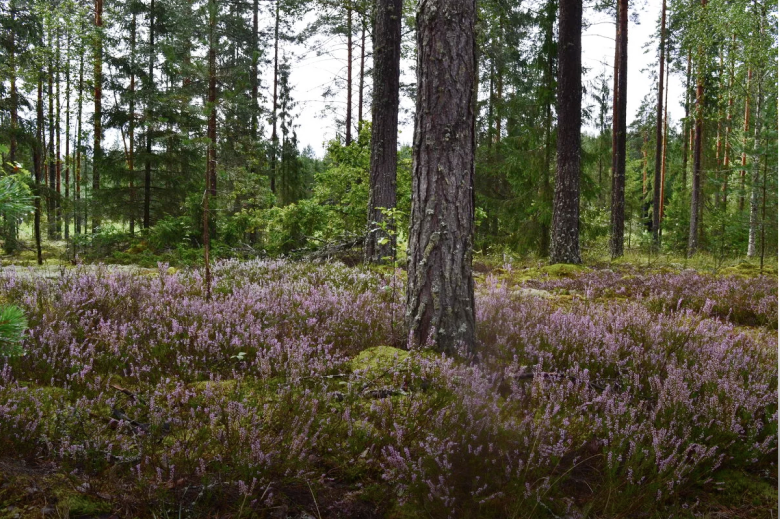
pixel 258 398
pixel 743 301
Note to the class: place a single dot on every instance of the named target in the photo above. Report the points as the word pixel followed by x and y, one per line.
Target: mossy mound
pixel 380 358
pixel 563 270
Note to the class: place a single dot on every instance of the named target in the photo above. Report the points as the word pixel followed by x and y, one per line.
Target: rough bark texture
pixel 745 128
pixel 384 129
pixel 440 290
pixel 565 237
pixel 659 135
pixel 619 133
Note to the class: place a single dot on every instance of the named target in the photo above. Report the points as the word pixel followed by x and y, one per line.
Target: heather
pixel 289 391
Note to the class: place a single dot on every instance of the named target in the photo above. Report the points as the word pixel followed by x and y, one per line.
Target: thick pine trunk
pixel 440 291
pixel 565 238
pixel 380 240
pixel 98 137
pixel 659 135
pixel 619 132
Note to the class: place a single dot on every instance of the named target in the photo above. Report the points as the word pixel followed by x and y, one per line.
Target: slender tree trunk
pixel 348 124
pixel 97 162
pixel 10 241
pixel 149 124
pixel 38 151
pixel 763 216
pixel 51 158
pixel 659 134
pixel 619 132
pixel 131 123
pixel 380 240
pixel 58 130
pixel 745 129
pixel 685 126
pixel 565 239
pixel 14 96
pixel 756 161
pixel 211 167
pixel 663 155
pixel 68 160
pixel 77 201
pixel 440 291
pixel 729 118
pixel 254 78
pixel 696 196
pixel 361 79
pixel 274 135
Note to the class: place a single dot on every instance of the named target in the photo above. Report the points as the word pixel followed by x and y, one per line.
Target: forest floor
pixel 642 388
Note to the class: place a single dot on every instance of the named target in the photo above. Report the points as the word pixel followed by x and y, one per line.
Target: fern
pixel 12 326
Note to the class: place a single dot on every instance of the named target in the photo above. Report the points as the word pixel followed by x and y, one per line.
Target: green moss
pixel 81 505
pixel 563 270
pixel 379 358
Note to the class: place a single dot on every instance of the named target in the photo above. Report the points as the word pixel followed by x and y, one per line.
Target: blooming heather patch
pixel 252 399
pixel 748 301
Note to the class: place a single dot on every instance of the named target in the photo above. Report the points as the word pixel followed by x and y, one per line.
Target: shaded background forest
pixel 104 115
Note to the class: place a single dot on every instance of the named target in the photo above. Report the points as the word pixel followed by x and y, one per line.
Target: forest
pixel 493 292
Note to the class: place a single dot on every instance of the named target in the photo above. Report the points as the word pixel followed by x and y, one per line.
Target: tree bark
pixel 619 132
pixel 211 166
pixel 745 128
pixel 440 290
pixel 51 160
pixel 131 123
pixel 38 151
pixel 149 125
pixel 98 137
pixel 686 126
pixel 254 75
pixel 80 112
pixel 380 240
pixel 565 237
pixel 348 123
pixel 68 160
pixel 659 135
pixel 696 197
pixel 274 135
pixel 361 79
pixel 756 161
